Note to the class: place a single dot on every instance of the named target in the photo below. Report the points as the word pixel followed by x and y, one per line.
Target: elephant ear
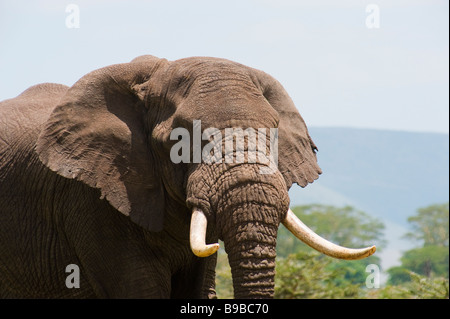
pixel 98 134
pixel 297 159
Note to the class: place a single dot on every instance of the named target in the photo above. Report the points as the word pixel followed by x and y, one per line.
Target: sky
pixel 379 64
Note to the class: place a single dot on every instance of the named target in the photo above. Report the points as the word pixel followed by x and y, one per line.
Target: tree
pixel 431 260
pixel 428 261
pixel 344 226
pixel 430 225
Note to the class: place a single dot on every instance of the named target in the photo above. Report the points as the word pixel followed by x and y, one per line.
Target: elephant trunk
pixel 244 209
pixel 247 220
pixel 250 243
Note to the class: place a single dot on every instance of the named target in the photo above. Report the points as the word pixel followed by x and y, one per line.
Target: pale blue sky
pixel 338 71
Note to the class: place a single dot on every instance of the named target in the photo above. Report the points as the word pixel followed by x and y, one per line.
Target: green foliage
pixel 308 276
pixel 418 287
pixel 305 275
pixel 351 272
pixel 224 281
pixel 398 275
pixel 430 261
pixel 344 226
pixel 430 225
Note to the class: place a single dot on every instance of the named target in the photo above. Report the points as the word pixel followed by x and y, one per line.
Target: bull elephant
pixel 87 179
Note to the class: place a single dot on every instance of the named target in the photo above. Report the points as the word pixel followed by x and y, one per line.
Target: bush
pixel 419 287
pixel 305 275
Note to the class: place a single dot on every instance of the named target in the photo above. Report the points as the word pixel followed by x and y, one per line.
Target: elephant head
pixel 113 131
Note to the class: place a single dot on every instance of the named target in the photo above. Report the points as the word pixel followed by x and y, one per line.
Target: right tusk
pixel 305 234
pixel 198 233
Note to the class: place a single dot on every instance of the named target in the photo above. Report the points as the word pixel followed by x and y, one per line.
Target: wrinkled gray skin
pixel 86 179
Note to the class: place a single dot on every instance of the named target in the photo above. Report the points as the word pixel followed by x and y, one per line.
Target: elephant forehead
pixel 203 76
pixel 229 115
pixel 227 108
pixel 198 65
pixel 220 94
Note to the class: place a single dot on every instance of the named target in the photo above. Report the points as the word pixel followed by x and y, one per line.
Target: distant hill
pixel 387 174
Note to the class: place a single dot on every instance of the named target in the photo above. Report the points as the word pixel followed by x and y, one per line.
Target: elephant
pixel 87 179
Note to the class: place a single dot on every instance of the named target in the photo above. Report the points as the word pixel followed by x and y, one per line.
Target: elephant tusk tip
pixel 304 233
pixel 365 252
pixel 197 235
pixel 205 251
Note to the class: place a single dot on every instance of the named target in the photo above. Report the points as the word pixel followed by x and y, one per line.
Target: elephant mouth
pixel 292 223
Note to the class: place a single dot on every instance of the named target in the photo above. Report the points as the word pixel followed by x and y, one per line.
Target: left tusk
pixel 198 234
pixel 305 234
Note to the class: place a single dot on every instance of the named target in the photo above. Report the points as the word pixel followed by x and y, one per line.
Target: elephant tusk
pixel 305 234
pixel 198 233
